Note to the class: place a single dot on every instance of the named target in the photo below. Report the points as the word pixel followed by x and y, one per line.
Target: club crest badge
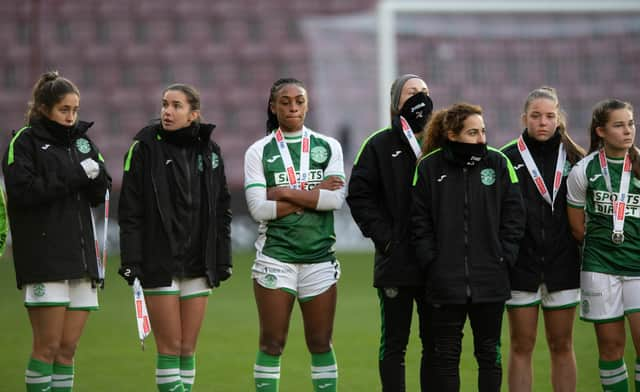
pixel 319 154
pixel 215 160
pixel 488 177
pixel 83 145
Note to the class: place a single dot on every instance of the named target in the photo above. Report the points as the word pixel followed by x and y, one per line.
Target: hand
pixel 91 168
pixel 224 273
pixel 331 183
pixel 275 193
pixel 129 273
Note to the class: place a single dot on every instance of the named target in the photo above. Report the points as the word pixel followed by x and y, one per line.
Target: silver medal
pixel 617 238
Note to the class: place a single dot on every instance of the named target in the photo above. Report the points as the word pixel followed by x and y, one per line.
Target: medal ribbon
pixel 619 204
pixel 142 315
pixel 535 174
pixel 411 138
pixel 305 145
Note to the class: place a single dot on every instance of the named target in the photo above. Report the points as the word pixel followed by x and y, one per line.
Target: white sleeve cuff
pixel 260 208
pixel 330 200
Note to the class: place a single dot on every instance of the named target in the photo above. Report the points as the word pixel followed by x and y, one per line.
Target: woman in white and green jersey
pixel 294 180
pixel 603 197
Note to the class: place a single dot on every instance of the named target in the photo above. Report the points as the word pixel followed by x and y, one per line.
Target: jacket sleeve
pixel 512 214
pixel 4 223
pixel 223 215
pixel 97 187
pixel 423 236
pixel 131 207
pixel 26 186
pixel 365 199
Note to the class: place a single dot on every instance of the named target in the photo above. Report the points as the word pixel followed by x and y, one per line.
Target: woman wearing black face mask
pixel 379 198
pixel 466 224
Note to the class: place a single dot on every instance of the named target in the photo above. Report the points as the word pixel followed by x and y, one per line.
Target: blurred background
pixel 122 53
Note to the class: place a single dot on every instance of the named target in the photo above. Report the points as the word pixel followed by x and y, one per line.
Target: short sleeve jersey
pixel 586 188
pixel 308 237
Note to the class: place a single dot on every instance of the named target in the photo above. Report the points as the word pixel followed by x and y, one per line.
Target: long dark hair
pixel 599 118
pixel 50 89
pixel 272 119
pixel 574 151
pixel 445 120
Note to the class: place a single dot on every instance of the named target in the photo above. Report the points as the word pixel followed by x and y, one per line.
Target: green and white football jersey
pixel 308 237
pixel 586 188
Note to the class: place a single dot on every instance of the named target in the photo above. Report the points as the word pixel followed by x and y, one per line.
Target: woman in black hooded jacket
pixel 54 174
pixel 175 219
pixel 466 227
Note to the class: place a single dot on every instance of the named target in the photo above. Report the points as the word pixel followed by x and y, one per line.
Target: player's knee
pixel 559 346
pixel 523 345
pixel 320 343
pixel 272 345
pixel 66 353
pixel 47 351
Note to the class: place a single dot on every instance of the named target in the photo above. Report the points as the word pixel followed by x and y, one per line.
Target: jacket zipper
pixel 465 172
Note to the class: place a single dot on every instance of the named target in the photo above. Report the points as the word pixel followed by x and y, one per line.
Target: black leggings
pixel 396 310
pixel 446 326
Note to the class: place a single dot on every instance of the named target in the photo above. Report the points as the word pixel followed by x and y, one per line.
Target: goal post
pixel 388 10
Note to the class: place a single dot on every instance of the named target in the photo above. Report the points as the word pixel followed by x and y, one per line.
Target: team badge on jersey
pixel 39 290
pixel 319 154
pixel 488 177
pixel 215 160
pixel 83 145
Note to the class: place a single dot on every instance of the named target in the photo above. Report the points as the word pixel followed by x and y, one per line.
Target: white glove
pixel 90 167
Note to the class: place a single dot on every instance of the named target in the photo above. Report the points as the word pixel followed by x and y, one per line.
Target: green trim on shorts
pixel 202 294
pixel 175 292
pixel 290 291
pixel 603 321
pixel 306 299
pixel 636 310
pixel 45 304
pixel 561 307
pixel 87 308
pixel 529 305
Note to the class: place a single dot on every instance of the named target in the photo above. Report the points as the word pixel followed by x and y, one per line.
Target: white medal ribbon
pixel 535 174
pixel 101 259
pixel 305 145
pixel 620 203
pixel 411 138
pixel 142 315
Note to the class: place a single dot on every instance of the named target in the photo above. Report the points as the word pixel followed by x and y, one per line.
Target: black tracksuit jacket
pixel 467 223
pixel 548 252
pixel 147 213
pixel 380 200
pixel 49 197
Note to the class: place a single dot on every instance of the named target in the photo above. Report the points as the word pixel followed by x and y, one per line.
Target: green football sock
pixel 188 371
pixel 266 372
pixel 38 375
pixel 168 374
pixel 62 379
pixel 613 376
pixel 324 372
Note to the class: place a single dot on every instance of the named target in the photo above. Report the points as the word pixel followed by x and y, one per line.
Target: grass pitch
pixel 109 357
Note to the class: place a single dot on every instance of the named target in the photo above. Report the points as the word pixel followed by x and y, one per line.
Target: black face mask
pixel 417 110
pixel 467 154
